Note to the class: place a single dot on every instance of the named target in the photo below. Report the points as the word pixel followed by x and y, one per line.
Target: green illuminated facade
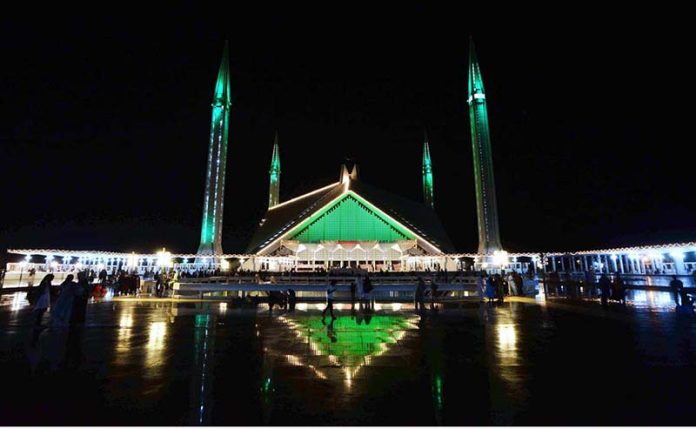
pixel 213 199
pixel 274 174
pixel 486 207
pixel 428 196
pixel 349 219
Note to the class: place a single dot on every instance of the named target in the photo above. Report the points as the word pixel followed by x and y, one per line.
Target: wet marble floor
pixel 153 362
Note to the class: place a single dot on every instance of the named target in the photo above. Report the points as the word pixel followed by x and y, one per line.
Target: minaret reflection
pixel 201 376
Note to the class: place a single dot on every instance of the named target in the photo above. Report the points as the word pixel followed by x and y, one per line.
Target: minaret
pixel 274 172
pixel 211 230
pixel 486 208
pixel 428 196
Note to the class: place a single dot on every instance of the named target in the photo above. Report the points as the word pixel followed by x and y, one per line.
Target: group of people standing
pixel 614 290
pixel 70 305
pixel 495 287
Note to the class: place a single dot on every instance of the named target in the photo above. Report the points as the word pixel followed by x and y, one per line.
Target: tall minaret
pixel 428 196
pixel 274 172
pixel 486 208
pixel 211 230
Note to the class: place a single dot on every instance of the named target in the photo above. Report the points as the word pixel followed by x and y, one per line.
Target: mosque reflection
pixel 335 350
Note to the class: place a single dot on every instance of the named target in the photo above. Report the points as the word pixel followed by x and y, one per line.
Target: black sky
pixel 105 119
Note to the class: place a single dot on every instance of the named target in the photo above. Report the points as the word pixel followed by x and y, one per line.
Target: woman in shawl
pixel 60 314
pixel 44 298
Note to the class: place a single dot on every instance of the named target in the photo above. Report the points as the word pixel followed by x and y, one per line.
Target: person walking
pixel 360 288
pixel 43 294
pixel 367 289
pixel 512 283
pixel 83 291
pixel 480 281
pixel 62 311
pixel 676 285
pixel 30 277
pixel 490 289
pixel 604 287
pixel 620 289
pixel 419 299
pixel 329 300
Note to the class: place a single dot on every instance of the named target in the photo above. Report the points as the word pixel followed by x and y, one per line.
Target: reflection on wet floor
pixel 144 363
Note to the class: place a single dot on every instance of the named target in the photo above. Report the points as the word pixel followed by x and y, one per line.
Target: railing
pixel 313 287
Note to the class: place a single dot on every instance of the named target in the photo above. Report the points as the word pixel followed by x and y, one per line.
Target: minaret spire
pixel 428 196
pixel 486 206
pixel 213 199
pixel 274 172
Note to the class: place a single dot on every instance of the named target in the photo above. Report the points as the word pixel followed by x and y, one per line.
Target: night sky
pixel 106 116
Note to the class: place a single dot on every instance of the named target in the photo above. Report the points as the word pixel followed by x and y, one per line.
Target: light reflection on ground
pixel 162 362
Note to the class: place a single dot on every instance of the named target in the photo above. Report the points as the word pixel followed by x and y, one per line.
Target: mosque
pixel 350 223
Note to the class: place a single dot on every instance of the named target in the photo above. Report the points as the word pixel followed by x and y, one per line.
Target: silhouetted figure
pixel 329 300
pixel 367 288
pixel 419 299
pixel 490 289
pixel 83 291
pixel 43 298
pixel 590 282
pixel 62 311
pixel 519 282
pixel 619 290
pixel 604 286
pixel 102 276
pixel 499 285
pixel 433 292
pixel 677 286
pixel 480 282
pixel 352 291
pixel 292 299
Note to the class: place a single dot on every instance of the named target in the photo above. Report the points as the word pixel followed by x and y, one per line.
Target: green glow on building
pixel 213 198
pixel 428 191
pixel 486 206
pixel 274 173
pixel 351 218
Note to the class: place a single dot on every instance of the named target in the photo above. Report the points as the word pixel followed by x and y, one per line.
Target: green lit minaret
pixel 274 172
pixel 428 196
pixel 211 229
pixel 486 207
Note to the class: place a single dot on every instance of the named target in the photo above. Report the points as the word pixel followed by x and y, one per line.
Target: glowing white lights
pixel 132 260
pixel 164 259
pixel 677 255
pixel 500 258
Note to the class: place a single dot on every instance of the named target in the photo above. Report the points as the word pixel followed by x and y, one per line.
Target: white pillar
pixel 553 263
pixel 621 266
